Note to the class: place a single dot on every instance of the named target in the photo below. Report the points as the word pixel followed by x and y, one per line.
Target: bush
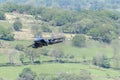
pixel 2 16
pixel 79 40
pixel 37 62
pixel 27 74
pixel 7 35
pixel 101 60
pixel 21 58
pixel 17 25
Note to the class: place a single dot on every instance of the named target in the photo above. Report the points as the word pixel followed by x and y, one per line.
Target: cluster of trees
pixel 7 33
pixel 101 60
pixel 101 25
pixel 9 7
pixel 2 15
pixel 92 23
pixel 84 22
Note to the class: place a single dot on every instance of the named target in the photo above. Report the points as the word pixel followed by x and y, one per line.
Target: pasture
pixel 53 69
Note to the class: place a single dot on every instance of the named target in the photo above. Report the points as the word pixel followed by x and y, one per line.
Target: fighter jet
pixel 40 42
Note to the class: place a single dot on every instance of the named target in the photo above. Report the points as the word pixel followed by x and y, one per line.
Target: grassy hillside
pixel 82 57
pixel 4 25
pixel 11 73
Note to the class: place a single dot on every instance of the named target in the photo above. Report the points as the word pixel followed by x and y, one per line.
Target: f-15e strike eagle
pixel 40 42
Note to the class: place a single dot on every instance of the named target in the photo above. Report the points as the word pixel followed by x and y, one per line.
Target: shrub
pixel 79 40
pixel 27 74
pixel 101 60
pixel 37 62
pixel 17 25
pixel 7 35
pixel 2 16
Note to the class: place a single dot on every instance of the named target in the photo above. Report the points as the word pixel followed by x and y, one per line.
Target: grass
pixel 87 52
pixel 3 58
pixel 22 42
pixel 79 53
pixel 25 43
pixel 12 73
pixel 5 24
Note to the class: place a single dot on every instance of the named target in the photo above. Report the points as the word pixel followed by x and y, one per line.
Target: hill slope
pixel 83 55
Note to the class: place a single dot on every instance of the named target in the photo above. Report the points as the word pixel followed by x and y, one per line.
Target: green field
pixel 52 69
pixel 12 72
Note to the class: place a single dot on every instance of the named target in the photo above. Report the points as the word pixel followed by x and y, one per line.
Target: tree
pixel 79 40
pixel 116 55
pixel 59 21
pixel 11 55
pixel 32 54
pixel 47 14
pixel 101 60
pixel 105 33
pixel 7 35
pixel 27 74
pixel 61 18
pixel 21 58
pixel 105 62
pixel 2 16
pixel 17 25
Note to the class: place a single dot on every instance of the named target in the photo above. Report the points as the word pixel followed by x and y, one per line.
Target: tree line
pixel 102 25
